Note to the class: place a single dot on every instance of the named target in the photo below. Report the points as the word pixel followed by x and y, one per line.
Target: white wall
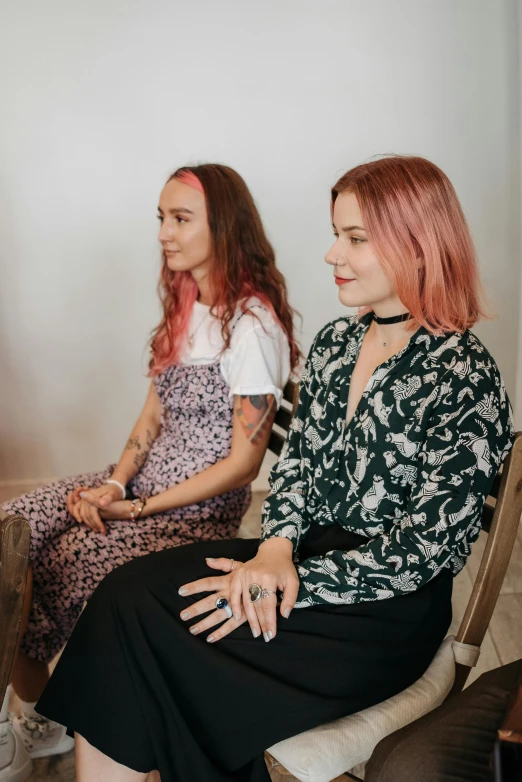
pixel 100 101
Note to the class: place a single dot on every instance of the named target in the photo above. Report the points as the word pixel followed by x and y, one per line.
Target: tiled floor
pixel 503 642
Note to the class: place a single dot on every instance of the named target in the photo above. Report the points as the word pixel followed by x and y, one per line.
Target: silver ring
pixel 255 591
pixel 266 593
pixel 232 565
pixel 228 611
pixel 221 602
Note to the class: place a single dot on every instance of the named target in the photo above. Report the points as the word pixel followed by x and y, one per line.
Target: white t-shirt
pixel 258 358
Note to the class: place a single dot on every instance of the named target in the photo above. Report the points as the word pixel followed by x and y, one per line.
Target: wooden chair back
pixel 15 541
pixel 500 519
pixel 283 417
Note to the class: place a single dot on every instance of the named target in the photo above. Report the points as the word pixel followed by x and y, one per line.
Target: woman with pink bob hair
pixel 195 660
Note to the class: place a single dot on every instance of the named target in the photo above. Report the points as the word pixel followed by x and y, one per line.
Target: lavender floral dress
pixel 69 560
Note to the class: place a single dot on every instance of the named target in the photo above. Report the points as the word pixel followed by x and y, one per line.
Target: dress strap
pixel 247 312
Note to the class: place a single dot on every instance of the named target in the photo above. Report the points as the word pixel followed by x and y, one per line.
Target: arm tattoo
pixel 255 414
pixel 140 459
pixel 134 444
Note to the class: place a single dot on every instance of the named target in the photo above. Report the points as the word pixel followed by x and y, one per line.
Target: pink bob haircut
pixel 416 225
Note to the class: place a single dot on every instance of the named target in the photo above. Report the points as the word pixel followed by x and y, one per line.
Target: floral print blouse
pixel 410 471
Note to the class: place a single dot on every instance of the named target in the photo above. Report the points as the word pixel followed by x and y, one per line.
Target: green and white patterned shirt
pixel 410 471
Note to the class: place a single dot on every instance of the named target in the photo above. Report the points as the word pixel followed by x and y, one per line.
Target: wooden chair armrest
pixel 501 539
pixel 15 541
pixel 511 728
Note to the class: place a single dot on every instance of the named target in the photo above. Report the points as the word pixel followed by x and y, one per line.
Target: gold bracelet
pixel 143 503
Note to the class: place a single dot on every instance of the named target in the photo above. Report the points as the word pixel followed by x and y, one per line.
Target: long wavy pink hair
pixel 243 266
pixel 415 223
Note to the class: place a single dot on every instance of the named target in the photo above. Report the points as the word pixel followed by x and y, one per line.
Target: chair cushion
pixel 326 752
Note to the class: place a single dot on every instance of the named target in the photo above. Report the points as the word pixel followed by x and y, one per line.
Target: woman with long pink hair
pixel 195 660
pixel 219 361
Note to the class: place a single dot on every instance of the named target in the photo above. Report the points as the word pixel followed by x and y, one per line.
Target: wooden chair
pixel 283 417
pixel 15 540
pixel 447 674
pixel 500 519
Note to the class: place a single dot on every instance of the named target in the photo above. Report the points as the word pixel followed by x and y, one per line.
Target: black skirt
pixel 138 686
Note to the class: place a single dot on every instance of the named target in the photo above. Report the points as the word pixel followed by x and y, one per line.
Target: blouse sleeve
pixel 445 505
pixel 258 359
pixel 284 513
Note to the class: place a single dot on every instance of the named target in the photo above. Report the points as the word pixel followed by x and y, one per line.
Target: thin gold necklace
pixel 193 334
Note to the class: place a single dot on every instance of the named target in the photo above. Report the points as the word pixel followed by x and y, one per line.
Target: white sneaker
pixel 42 737
pixel 20 764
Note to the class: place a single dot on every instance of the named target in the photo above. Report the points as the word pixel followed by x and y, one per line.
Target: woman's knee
pixel 124 577
pixel 137 575
pixel 165 571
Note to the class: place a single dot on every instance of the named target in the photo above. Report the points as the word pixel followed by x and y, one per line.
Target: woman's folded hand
pixel 117 511
pixel 102 496
pixel 271 571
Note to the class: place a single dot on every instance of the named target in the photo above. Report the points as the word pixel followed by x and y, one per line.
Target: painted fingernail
pixel 185 615
pixel 183 591
pixel 194 630
pixel 287 613
pixel 255 633
pixel 237 617
pixel 267 636
pixel 210 639
pixel 83 494
pixel 210 559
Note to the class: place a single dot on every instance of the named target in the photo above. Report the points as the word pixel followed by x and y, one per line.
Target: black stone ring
pixel 221 602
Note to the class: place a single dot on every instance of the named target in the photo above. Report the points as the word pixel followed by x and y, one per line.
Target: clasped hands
pixel 94 506
pixel 272 569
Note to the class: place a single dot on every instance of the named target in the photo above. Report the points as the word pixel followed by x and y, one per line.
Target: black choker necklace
pixel 389 321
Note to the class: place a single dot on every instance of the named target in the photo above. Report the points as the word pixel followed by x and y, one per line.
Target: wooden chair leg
pixel 279 773
pixel 15 541
pixel 276 769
